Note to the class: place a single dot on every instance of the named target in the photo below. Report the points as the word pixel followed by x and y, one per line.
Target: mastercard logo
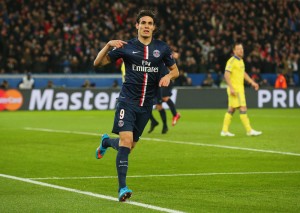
pixel 10 100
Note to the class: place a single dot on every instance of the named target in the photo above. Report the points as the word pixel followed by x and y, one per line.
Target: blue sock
pixel 172 107
pixel 111 142
pixel 122 165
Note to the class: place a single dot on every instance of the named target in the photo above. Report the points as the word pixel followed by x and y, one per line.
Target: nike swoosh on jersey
pixel 133 52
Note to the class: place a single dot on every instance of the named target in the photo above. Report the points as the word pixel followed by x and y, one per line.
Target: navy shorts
pixel 158 98
pixel 163 92
pixel 167 91
pixel 133 118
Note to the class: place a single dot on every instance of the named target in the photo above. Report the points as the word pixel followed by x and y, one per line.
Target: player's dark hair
pixel 236 44
pixel 150 13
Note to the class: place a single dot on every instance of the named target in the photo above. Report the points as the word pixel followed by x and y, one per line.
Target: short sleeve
pixel 168 57
pixel 229 66
pixel 116 53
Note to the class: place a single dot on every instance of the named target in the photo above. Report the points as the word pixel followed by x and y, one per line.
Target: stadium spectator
pixel 115 84
pixel 88 84
pixel 50 85
pixel 183 79
pixel 4 84
pixel 208 81
pixel 280 82
pixel 291 82
pixel 257 78
pixel 223 83
pixel 27 82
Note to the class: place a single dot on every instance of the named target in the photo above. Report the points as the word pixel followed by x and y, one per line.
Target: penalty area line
pixel 147 206
pixel 174 142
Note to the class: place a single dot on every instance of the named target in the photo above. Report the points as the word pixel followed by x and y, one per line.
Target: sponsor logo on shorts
pixel 120 123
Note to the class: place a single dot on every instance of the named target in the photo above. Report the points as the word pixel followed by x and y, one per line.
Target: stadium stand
pixel 64 37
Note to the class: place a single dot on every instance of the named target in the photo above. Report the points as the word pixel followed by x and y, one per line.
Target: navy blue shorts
pixel 167 91
pixel 133 118
pixel 158 98
pixel 163 92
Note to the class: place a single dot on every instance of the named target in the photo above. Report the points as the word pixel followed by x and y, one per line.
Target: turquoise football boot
pixel 124 194
pixel 100 151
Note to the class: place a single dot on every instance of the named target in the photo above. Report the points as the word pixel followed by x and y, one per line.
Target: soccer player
pixel 143 56
pixel 235 75
pixel 162 113
pixel 164 95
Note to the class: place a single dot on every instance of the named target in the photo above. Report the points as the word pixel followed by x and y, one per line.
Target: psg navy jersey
pixel 144 68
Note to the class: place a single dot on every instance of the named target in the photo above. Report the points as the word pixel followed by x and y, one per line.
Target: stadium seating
pixel 40 37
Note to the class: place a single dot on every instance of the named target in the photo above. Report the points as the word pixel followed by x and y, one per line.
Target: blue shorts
pixel 166 91
pixel 158 98
pixel 163 92
pixel 133 118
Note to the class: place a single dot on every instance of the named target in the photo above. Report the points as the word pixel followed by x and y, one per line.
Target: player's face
pixel 145 27
pixel 239 51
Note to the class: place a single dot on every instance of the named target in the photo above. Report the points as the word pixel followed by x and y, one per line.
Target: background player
pixel 235 75
pixel 164 95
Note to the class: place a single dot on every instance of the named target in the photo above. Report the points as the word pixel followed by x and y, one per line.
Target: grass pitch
pixel 47 164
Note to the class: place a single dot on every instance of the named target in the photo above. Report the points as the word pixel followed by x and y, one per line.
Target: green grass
pixel 183 150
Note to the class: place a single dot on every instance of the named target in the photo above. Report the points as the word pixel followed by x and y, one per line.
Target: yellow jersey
pixel 123 71
pixel 236 67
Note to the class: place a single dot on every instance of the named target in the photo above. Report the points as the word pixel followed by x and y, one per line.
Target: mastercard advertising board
pixel 10 100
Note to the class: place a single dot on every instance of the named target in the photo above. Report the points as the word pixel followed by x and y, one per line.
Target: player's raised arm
pixel 102 57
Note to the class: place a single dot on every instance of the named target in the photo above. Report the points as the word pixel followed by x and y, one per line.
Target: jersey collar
pixel 236 57
pixel 140 43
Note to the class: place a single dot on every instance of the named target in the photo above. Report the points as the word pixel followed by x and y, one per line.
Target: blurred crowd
pixel 64 36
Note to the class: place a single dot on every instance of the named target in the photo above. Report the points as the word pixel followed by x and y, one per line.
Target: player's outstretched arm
pixel 102 57
pixel 174 73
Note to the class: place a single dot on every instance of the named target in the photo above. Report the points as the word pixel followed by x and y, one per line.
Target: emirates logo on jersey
pixel 146 67
pixel 156 53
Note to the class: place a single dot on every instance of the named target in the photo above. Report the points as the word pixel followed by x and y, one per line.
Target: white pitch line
pixel 167 175
pixel 89 193
pixel 61 131
pixel 174 142
pixel 224 147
